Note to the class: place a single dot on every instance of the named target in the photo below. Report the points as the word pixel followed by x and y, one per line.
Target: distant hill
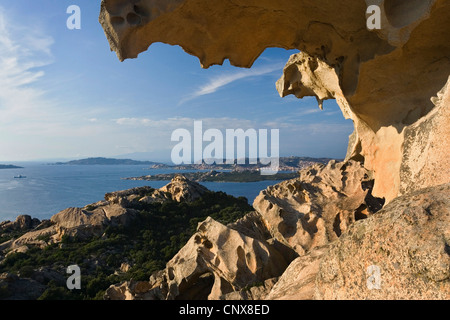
pixel 285 164
pixel 9 166
pixel 106 161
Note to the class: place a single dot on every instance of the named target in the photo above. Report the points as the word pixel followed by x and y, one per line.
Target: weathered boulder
pixel 85 224
pixel 402 252
pixel 130 290
pixel 30 238
pixel 298 281
pixel 75 217
pixel 182 189
pixel 22 223
pixel 316 208
pixel 216 261
pixel 126 198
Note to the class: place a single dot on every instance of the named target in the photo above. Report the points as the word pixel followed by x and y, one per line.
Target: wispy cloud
pixel 170 124
pixel 218 82
pixel 22 52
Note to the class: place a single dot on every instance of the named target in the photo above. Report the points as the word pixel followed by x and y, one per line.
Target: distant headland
pixel 9 166
pixel 105 161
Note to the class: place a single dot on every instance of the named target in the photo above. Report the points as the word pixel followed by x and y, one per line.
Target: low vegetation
pixel 154 237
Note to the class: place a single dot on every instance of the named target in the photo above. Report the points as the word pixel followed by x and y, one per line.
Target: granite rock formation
pixel 392 82
pixel 298 281
pixel 217 260
pixel 316 208
pixel 22 223
pixel 406 243
pixel 297 217
pixel 182 189
pixel 400 153
pixel 383 79
pixel 402 252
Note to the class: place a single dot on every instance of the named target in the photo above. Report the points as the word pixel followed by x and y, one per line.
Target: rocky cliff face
pixel 386 80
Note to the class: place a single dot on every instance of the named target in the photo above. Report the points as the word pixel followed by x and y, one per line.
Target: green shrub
pixel 44 237
pixel 26 271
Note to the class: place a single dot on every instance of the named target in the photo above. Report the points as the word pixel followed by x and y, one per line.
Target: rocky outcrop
pixel 85 224
pixel 244 259
pixel 401 153
pixel 182 189
pixel 216 261
pixel 22 223
pixel 93 219
pixel 383 79
pixel 402 252
pixel 316 208
pixel 178 189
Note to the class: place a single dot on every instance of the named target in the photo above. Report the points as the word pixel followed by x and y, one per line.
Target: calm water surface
pixel 49 189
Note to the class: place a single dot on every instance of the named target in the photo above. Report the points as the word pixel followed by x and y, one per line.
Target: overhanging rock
pixel 384 80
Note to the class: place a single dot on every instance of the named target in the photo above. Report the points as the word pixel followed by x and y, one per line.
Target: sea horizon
pixel 48 189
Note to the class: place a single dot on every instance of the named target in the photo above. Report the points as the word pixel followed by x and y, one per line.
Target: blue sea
pixel 48 189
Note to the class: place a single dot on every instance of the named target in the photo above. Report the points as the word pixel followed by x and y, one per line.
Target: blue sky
pixel 65 95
